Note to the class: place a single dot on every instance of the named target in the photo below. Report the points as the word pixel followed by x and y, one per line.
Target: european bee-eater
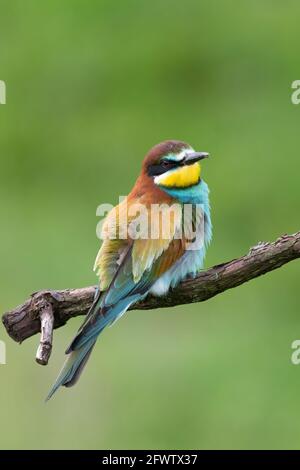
pixel 132 263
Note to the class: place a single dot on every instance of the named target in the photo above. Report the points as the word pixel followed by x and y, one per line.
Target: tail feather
pixel 78 371
pixel 82 345
pixel 95 326
pixel 72 367
pixel 77 358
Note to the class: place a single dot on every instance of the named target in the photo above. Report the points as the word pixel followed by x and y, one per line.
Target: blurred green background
pixel 91 86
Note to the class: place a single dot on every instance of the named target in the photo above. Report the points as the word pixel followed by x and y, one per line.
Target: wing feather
pixel 128 268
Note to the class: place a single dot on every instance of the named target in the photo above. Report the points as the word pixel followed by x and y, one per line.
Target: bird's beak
pixel 194 157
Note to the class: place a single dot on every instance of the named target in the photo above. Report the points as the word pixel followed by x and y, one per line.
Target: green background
pixel 91 86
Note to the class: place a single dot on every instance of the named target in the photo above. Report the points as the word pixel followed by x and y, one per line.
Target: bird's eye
pixel 165 164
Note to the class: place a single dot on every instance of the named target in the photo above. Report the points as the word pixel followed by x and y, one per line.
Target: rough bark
pixel 50 309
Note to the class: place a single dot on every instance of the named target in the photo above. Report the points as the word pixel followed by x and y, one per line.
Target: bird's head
pixel 173 164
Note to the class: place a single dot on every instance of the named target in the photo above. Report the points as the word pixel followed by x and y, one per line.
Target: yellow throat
pixel 182 177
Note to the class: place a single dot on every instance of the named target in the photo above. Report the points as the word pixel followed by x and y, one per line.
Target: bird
pixel 132 262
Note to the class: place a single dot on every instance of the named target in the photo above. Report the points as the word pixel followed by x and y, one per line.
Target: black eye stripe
pixel 162 167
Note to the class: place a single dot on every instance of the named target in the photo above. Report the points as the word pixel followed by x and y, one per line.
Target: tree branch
pixel 46 310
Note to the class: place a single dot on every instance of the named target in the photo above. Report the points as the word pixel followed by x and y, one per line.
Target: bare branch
pixel 45 347
pixel 46 310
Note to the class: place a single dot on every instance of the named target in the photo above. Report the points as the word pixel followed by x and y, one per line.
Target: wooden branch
pixel 47 321
pixel 46 310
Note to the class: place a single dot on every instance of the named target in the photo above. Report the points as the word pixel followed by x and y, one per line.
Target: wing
pixel 148 231
pixel 141 263
pixel 114 246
